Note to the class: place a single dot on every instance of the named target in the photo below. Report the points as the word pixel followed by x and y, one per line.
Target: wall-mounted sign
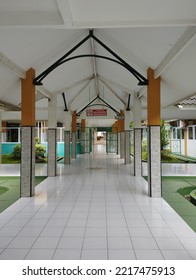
pixel 96 112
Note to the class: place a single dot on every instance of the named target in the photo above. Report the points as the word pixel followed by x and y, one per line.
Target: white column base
pixel 52 152
pixel 27 172
pixel 154 161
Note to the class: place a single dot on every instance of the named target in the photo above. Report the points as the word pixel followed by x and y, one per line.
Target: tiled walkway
pixel 95 209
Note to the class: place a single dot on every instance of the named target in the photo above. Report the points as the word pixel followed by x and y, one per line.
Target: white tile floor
pixel 94 209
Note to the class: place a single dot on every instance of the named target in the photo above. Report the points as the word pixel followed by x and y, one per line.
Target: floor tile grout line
pixel 126 221
pixel 68 219
pixel 46 223
pixel 88 214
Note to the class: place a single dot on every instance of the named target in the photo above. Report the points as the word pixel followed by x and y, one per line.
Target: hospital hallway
pixel 94 209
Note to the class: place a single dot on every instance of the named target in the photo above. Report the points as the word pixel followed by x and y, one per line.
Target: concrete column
pixel 27 161
pixel 154 139
pixel 154 161
pixel 27 183
pixel 137 136
pixel 74 130
pixel 68 126
pixel 0 134
pixel 52 139
pixel 67 147
pixel 122 145
pixel 74 143
pixel 127 136
pixel 121 129
pixel 127 146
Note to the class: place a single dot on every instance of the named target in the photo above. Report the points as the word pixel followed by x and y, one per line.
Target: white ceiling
pixel 154 33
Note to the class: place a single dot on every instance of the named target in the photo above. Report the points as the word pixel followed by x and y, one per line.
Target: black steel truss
pixel 128 103
pixel 65 103
pixel 142 80
pixel 90 104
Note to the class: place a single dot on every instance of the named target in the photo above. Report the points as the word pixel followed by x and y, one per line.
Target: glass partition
pixel 145 152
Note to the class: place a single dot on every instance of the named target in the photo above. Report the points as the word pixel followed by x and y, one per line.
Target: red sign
pixel 96 112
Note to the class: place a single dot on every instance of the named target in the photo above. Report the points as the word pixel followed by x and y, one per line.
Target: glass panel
pixel 111 142
pixel 182 133
pixel 145 152
pixel 174 133
pixel 178 133
pixel 85 139
pixel 190 132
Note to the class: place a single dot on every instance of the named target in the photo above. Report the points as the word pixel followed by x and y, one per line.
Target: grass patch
pixel 9 159
pixel 10 189
pixel 185 191
pixel 174 188
pixel 3 190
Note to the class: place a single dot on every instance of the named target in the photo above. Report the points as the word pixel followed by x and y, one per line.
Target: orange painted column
pixel 153 98
pixel 28 99
pixel 74 122
pixel 28 135
pixel 83 125
pixel 121 122
pixel 154 139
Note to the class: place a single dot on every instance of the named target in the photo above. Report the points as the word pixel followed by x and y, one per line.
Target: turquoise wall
pixel 7 148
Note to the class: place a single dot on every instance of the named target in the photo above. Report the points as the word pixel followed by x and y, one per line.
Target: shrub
pixel 16 152
pixel 39 151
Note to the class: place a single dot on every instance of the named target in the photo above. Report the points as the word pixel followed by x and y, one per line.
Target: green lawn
pixel 10 189
pixel 173 190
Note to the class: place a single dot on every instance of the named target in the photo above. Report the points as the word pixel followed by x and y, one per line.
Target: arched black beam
pixel 65 103
pixel 39 78
pixel 128 103
pixel 90 104
pixel 142 80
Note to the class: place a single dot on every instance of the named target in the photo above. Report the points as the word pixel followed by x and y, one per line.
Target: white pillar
pixel 68 119
pixel 127 115
pixel 52 138
pixel 0 134
pixel 137 112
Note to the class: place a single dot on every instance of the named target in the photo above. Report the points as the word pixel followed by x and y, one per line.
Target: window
pixel 174 133
pixel 190 132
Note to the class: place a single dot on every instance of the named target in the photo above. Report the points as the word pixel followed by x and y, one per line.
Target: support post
pixel 67 148
pixel 121 130
pixel 74 131
pixel 127 136
pixel 52 138
pixel 137 134
pixel 154 139
pixel 27 178
pixel 137 137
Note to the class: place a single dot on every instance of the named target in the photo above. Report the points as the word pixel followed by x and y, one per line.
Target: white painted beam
pixel 185 40
pixel 77 100
pixel 132 23
pixel 112 83
pixel 44 91
pixel 66 13
pixel 87 80
pixel 94 65
pixel 114 93
pixel 12 66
